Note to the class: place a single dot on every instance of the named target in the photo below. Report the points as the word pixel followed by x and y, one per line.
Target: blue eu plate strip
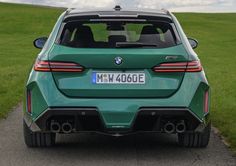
pixel 94 78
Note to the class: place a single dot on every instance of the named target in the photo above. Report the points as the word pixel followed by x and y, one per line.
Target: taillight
pixel 42 66
pixel 206 102
pixel 47 66
pixel 29 105
pixel 193 66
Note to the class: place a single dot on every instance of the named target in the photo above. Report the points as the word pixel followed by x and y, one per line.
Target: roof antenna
pixel 117 8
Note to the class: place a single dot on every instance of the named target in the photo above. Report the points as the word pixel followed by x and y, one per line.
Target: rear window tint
pixel 107 34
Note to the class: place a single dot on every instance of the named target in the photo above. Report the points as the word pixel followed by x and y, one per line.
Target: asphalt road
pixel 99 150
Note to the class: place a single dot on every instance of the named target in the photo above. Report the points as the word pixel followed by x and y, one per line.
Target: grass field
pixel 21 24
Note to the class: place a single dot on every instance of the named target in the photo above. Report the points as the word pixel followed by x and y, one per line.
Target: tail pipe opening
pixel 55 127
pixel 66 128
pixel 180 127
pixel 169 128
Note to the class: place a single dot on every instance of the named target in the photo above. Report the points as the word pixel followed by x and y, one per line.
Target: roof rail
pixel 166 11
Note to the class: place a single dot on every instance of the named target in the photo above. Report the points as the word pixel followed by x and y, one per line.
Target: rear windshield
pixel 118 34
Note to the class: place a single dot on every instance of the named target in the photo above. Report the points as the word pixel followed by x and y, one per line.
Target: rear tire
pixel 38 139
pixel 195 140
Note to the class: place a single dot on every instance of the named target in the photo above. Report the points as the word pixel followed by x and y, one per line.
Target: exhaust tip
pixel 66 128
pixel 169 127
pixel 181 127
pixel 55 127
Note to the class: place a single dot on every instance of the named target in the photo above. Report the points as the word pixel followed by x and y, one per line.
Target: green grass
pixel 20 25
pixel 216 33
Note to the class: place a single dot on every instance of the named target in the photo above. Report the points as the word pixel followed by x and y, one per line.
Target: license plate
pixel 118 78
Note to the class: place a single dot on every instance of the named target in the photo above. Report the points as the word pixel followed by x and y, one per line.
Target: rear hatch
pixel 134 61
pixel 118 56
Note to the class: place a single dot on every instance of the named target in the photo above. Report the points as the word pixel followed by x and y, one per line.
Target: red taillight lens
pixel 29 106
pixel 206 102
pixel 193 66
pixel 42 66
pixel 47 66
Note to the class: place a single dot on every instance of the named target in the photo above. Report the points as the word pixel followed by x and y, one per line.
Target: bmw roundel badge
pixel 118 60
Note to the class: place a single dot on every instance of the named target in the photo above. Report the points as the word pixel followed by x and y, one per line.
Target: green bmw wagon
pixel 117 72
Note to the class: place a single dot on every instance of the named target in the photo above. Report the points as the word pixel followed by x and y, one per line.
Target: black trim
pixel 147 119
pixel 157 115
pixel 70 113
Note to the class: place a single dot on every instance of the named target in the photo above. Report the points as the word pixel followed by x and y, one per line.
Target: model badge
pixel 118 60
pixel 171 57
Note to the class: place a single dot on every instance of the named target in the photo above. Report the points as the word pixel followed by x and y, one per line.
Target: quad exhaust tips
pixel 66 127
pixel 55 127
pixel 169 127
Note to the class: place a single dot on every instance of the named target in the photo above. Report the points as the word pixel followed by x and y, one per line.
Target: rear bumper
pixel 117 115
pixel 147 119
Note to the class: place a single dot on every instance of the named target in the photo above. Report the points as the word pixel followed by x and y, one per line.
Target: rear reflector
pixel 29 106
pixel 193 66
pixel 47 66
pixel 206 102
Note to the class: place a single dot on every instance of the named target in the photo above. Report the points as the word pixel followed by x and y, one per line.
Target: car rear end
pixel 117 73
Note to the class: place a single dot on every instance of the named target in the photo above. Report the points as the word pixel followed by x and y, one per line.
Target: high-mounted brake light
pixel 193 66
pixel 47 66
pixel 29 106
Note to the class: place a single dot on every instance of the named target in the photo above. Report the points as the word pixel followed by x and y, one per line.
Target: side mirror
pixel 193 42
pixel 40 42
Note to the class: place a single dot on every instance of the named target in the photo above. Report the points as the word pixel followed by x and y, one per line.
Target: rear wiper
pixel 133 45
